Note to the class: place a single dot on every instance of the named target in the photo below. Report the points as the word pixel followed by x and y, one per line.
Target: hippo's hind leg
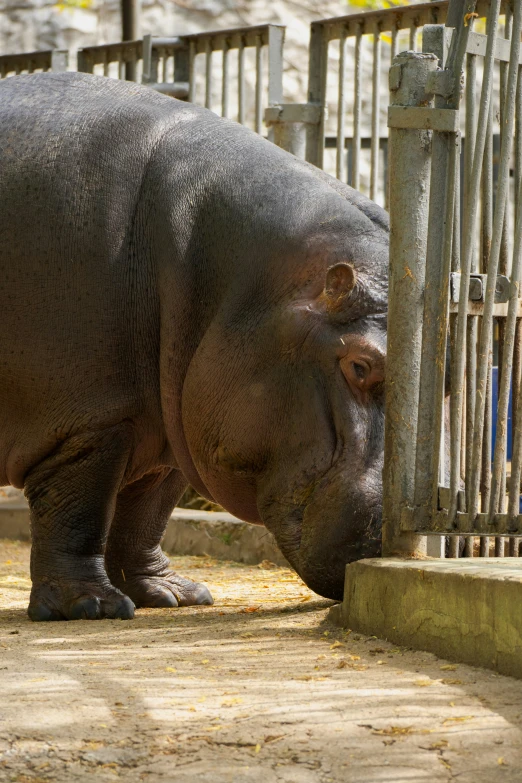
pixel 72 495
pixel 134 560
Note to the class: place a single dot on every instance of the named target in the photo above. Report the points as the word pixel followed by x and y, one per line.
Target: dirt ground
pixel 259 687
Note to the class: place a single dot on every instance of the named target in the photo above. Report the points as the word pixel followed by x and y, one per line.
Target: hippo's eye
pixel 361 371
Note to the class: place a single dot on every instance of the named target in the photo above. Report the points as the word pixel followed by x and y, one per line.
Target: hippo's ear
pixel 340 282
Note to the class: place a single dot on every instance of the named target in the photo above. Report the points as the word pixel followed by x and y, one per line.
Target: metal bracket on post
pixel 290 124
pixel 409 167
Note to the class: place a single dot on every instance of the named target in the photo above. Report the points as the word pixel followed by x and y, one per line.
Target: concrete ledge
pixel 189 532
pixel 464 610
pixel 220 535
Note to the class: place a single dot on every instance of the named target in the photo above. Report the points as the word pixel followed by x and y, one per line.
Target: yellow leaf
pixel 448 667
pixel 394 730
pixel 501 761
pixel 451 682
pixel 257 748
pixel 205 660
pixel 460 719
pixel 231 702
pixel 422 683
pixel 170 669
pixel 335 645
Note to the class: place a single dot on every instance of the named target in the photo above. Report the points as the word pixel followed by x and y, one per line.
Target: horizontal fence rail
pixel 33 62
pixel 212 69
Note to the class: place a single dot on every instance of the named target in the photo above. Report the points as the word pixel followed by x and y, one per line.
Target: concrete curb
pixel 217 534
pixel 466 610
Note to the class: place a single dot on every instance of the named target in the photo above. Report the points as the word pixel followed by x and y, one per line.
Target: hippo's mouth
pixel 287 530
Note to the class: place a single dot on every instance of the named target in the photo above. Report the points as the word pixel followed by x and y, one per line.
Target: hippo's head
pixel 283 406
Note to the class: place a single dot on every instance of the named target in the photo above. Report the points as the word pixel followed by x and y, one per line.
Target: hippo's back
pixel 73 153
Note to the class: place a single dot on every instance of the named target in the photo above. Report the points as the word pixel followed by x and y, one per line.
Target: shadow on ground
pixel 258 687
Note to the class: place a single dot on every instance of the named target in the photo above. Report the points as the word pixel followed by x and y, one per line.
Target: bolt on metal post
pixel 409 170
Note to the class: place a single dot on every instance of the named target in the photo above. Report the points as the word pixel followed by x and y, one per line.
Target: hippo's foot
pixel 75 600
pixel 151 583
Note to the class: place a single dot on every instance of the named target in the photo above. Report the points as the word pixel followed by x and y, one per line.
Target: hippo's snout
pixel 334 529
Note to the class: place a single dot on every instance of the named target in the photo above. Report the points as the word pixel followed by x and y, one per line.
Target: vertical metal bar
pixel 276 37
pixel 105 64
pixel 487 228
pixel 164 64
pixel 317 72
pixel 121 66
pixel 454 546
pixel 192 72
pixel 498 223
pixel 518 142
pixel 472 327
pixel 413 37
pixel 395 40
pixel 469 227
pixel 357 105
pixel 130 29
pixel 259 85
pixel 410 161
pixel 241 82
pixel 225 81
pixel 393 54
pixel 442 253
pixel 341 107
pixel 375 141
pixel 208 74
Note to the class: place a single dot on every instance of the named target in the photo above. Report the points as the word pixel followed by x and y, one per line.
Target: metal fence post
pixel 276 39
pixel 409 170
pixel 317 76
pixel 59 60
pixel 130 29
pixel 436 40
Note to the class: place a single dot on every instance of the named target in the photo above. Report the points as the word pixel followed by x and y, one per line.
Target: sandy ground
pixel 259 687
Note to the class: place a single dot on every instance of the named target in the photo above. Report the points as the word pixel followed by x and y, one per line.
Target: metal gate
pixel 455 271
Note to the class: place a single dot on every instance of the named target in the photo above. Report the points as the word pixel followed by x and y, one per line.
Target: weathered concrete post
pixel 409 171
pixel 289 125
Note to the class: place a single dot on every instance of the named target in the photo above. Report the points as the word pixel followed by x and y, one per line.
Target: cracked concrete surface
pixel 259 687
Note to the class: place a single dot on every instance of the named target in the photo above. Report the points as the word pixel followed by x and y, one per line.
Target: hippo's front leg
pixel 72 495
pixel 134 560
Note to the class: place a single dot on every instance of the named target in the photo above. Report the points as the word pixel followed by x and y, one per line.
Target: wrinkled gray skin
pixel 180 301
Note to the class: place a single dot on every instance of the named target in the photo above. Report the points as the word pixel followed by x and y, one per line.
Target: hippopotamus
pixel 181 302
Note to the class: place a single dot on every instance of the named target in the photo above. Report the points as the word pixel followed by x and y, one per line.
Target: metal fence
pixel 349 62
pixel 455 271
pixel 363 45
pixel 33 62
pixel 212 69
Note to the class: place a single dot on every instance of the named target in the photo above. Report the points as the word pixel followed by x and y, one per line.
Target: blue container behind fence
pixel 510 417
